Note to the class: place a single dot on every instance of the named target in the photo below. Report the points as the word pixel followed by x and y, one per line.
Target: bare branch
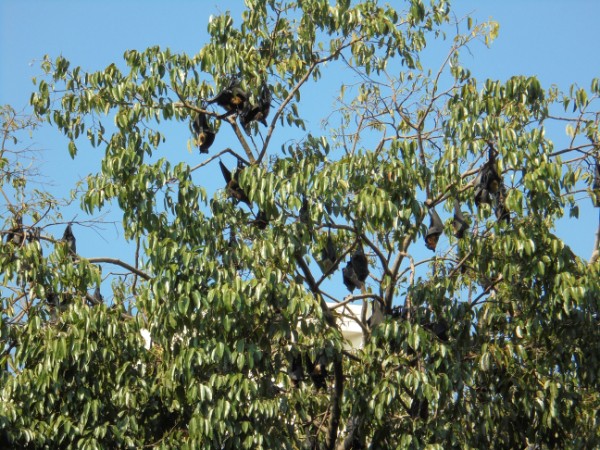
pixel 120 263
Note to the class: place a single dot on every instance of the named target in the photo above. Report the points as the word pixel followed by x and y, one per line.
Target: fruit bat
pixel 261 220
pixel 204 135
pixel 304 212
pixel 296 371
pixel 356 271
pixel 318 371
pixel 436 227
pixel 419 408
pixel 232 245
pixel 351 281
pixel 328 254
pixel 232 98
pixel 97 298
pixel 596 186
pixel 439 328
pixel 258 112
pixel 233 188
pixel 488 181
pixel 16 234
pixel 502 213
pixel 34 234
pixel 377 316
pixel 69 238
pixel 360 264
pixel 52 299
pixel 459 223
pixel 399 312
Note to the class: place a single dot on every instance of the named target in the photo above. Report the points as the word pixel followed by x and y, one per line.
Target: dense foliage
pixel 491 341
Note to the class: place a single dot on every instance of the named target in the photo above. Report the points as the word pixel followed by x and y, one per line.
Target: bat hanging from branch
pixel 435 230
pixel 459 223
pixel 356 271
pixel 233 187
pixel 203 132
pixel 596 185
pixel 70 240
pixel 233 98
pixel 488 181
pixel 258 112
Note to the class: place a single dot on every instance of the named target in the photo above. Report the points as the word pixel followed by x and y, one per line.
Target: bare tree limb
pixel 336 404
pixel 118 262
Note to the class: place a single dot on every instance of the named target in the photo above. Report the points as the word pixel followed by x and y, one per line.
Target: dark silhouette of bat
pixel 419 408
pixel 360 263
pixel 96 298
pixel 69 238
pixel 349 277
pixel 436 227
pixel 356 271
pixel 261 220
pixel 204 134
pixel 318 371
pixel 304 213
pixel 459 223
pixel 501 211
pixel 296 371
pixel 233 98
pixel 488 181
pixel 378 315
pixel 328 254
pixel 258 112
pixel 16 234
pixel 233 187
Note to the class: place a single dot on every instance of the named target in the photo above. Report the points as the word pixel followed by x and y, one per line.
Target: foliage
pixel 492 342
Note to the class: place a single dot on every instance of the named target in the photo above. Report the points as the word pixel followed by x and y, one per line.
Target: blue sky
pixel 554 40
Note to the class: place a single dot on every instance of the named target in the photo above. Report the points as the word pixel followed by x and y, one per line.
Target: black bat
pixel 360 264
pixel 459 223
pixel 377 316
pixel 261 220
pixel 596 186
pixel 419 408
pixel 351 281
pixel 356 271
pixel 97 298
pixel 488 181
pixel 233 98
pixel 436 227
pixel 258 112
pixel 69 238
pixel 296 371
pixel 204 134
pixel 439 328
pixel 233 187
pixel 502 213
pixel 318 371
pixel 34 235
pixel 328 254
pixel 16 234
pixel 304 213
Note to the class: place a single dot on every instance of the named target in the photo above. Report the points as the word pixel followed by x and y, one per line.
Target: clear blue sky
pixel 554 40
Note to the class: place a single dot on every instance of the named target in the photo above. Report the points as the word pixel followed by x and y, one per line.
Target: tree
pixel 489 342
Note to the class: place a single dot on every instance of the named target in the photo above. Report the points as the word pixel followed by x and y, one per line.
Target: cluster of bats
pixel 18 235
pixel 489 189
pixel 235 101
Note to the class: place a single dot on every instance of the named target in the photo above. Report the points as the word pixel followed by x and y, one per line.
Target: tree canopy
pixel 425 195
